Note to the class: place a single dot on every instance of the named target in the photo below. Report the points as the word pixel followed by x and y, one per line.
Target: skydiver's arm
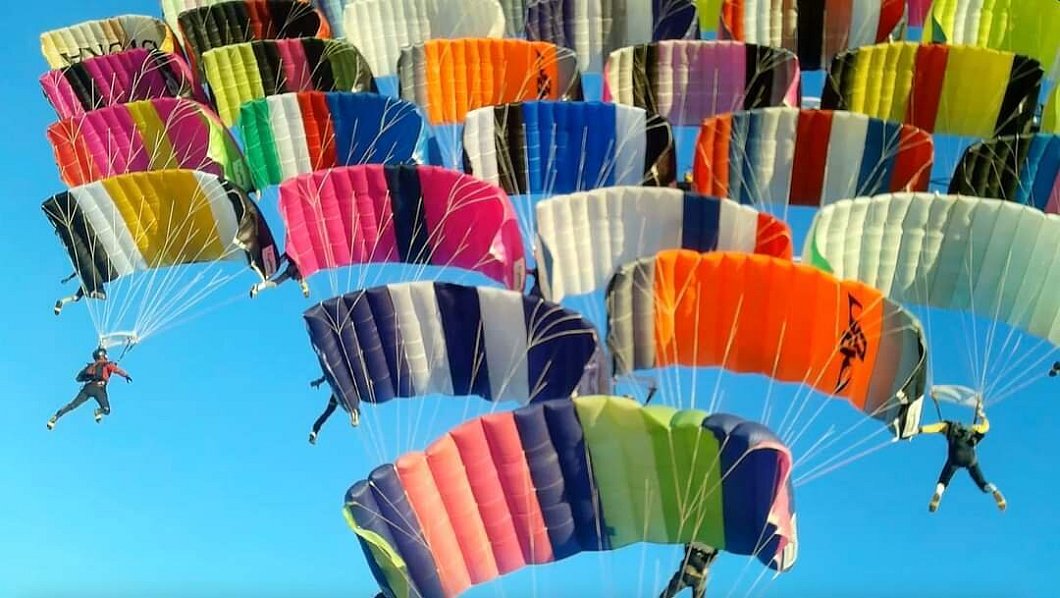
pixel 983 426
pixel 117 370
pixel 939 428
pixel 316 383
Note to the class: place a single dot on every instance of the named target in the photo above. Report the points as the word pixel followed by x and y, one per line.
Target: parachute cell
pixel 226 23
pixel 412 214
pixel 1051 113
pixel 244 72
pixel 551 480
pixel 584 237
pixel 1020 168
pixel 71 45
pixel 292 134
pixel 785 156
pixel 160 134
pixel 959 90
pixel 760 314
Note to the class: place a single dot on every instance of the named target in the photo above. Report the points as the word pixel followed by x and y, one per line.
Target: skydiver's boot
pixel 99 415
pixel 355 418
pixel 58 309
pixel 937 498
pixel 51 422
pixel 312 438
pixel 998 498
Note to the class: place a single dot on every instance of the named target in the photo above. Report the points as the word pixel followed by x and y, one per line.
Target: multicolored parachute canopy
pixel 421 338
pixel 1020 168
pixel 816 30
pixel 244 72
pixel 221 24
pixel 687 81
pixel 147 220
pixel 381 28
pixel 595 28
pixel 1027 27
pixel 547 147
pixel 161 134
pixel 413 214
pixel 994 258
pixel 782 156
pixel 551 480
pixel 958 90
pixel 771 316
pixel 76 43
pixel 297 133
pixel 584 237
pixel 120 78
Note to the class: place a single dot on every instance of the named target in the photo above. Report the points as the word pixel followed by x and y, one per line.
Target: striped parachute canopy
pixel 410 214
pixel 147 220
pixel 547 147
pixel 120 78
pixel 816 30
pixel 221 24
pixel 782 156
pixel 584 237
pixel 770 316
pixel 996 259
pixel 172 9
pixel 161 134
pixel 76 43
pixel 595 28
pixel 957 90
pixel 297 133
pixel 244 72
pixel 1026 27
pixel 551 480
pixel 381 28
pixel 1020 168
pixel 421 338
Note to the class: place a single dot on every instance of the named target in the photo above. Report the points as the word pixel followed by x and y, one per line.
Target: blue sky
pixel 202 482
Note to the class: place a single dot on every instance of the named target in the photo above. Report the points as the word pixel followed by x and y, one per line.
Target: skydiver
pixel 333 402
pixel 693 571
pixel 95 377
pixel 961 453
pixel 291 271
pixel 79 295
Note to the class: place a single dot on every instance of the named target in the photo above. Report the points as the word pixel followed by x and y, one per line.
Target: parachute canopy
pixel 297 133
pixel 595 28
pixel 562 147
pixel 161 134
pixel 411 339
pixel 73 44
pixel 554 479
pixel 412 214
pixel 584 237
pixel 997 259
pixel 807 157
pixel 771 316
pixel 129 76
pixel 244 72
pixel 687 81
pixel 957 90
pixel 221 24
pixel 1051 113
pixel 147 220
pixel 1020 168
pixel 381 28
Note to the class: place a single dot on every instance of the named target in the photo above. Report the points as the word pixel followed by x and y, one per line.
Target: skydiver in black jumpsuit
pixel 693 571
pixel 333 403
pixel 962 441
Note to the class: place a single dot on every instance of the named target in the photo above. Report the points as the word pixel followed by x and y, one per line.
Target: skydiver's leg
pixel 100 395
pixel 699 590
pixel 944 480
pixel 674 587
pixel 79 400
pixel 985 486
pixel 333 403
pixel 79 295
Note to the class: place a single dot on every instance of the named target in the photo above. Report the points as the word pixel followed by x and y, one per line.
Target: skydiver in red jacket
pixel 95 377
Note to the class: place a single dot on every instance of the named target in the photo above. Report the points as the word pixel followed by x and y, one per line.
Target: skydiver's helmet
pixel 700 555
pixel 99 353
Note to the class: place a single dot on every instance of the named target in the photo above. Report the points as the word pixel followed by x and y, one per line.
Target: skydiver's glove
pixel 128 379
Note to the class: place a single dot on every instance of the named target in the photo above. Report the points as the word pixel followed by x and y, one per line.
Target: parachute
pixel 554 479
pixel 957 90
pixel 412 214
pixel 1051 113
pixel 816 30
pixel 243 72
pixel 766 315
pixel 410 339
pixel 297 133
pixel 1020 168
pixel 583 237
pixel 76 43
pixel 120 78
pixel 781 156
pixel 221 24
pixel 993 258
pixel 1026 27
pixel 161 134
pixel 381 28
pixel 595 28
